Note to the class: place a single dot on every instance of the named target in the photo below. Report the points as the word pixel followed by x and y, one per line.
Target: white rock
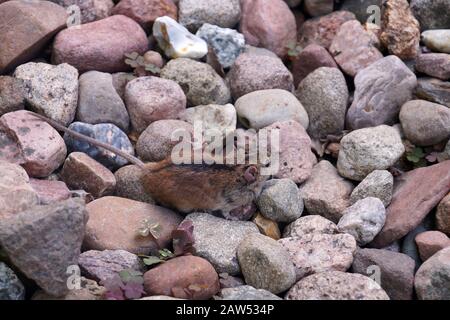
pixel 212 116
pixel 177 41
pixel 438 40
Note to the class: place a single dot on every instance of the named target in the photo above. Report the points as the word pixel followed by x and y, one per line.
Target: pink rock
pixel 268 24
pixel 416 193
pixel 50 191
pixel 32 143
pixel 430 242
pixel 443 215
pixel 436 65
pixel 100 45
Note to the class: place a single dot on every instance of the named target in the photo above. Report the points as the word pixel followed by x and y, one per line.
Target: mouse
pixel 219 189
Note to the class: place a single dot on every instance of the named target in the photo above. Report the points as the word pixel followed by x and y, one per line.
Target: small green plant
pixel 163 255
pixel 416 156
pixel 294 49
pixel 140 66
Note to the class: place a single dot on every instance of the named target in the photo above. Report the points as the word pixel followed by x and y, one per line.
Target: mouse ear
pixel 250 174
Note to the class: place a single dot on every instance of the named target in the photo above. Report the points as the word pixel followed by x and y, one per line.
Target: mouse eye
pixel 250 174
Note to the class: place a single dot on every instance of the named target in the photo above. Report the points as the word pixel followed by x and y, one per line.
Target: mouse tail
pixel 90 140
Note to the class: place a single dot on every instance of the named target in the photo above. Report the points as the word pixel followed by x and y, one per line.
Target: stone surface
pixel 443 215
pixel 12 94
pixel 432 280
pixel 23 39
pixel 365 150
pixel 363 220
pixel 318 7
pixel 185 277
pixel 265 264
pixel 212 117
pixel 436 65
pixel 252 72
pixel 316 253
pixel 433 90
pixel 44 241
pixel 89 290
pixel 246 293
pixel 100 45
pixel 313 224
pixel 336 285
pixel 396 271
pixel 120 81
pixel 11 288
pixel 128 184
pixel 200 83
pixel 425 123
pixel 99 101
pixel 31 142
pixel 381 89
pixel 409 246
pixel 378 184
pixel 361 8
pixel 326 193
pixel 262 108
pixel 437 40
pixel 429 13
pixel 267 227
pixel 114 222
pixel 90 10
pixel 415 194
pixel 268 24
pixel 49 191
pixel 324 94
pixel 217 240
pixel 150 99
pixel 430 242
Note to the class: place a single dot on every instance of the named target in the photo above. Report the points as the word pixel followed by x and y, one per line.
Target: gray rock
pixel 324 94
pixel 212 116
pixel 44 241
pixel 432 280
pixel 120 81
pixel 313 224
pixel 129 185
pixel 53 90
pixel 280 201
pixel 90 10
pixel 378 184
pixel 365 150
pixel 363 220
pixel 12 94
pixel 99 101
pixel 437 40
pixel 246 293
pixel 336 285
pixel 217 240
pixel 265 264
pixel 433 90
pixel 11 288
pixel 227 44
pixel 200 83
pixel 380 91
pixel 430 13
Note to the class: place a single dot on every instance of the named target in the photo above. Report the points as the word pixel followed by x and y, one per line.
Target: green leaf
pixel 150 261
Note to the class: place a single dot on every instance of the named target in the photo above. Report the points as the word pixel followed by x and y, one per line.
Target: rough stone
pixel 246 293
pixel 437 40
pixel 378 184
pixel 430 242
pixel 436 65
pixel 443 215
pixel 90 10
pixel 11 288
pixel 360 8
pixel 212 116
pixel 313 224
pixel 49 191
pixel 432 280
pixel 12 94
pixel 430 13
pixel 433 90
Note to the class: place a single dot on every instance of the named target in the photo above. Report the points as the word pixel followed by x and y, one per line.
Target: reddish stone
pixel 50 191
pixel 430 242
pixel 443 215
pixel 436 65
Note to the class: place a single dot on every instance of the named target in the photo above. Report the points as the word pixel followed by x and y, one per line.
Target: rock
pixel 246 293
pixel 101 265
pixel 324 94
pixel 430 242
pixel 252 72
pixel 104 132
pixel 280 201
pixel 318 7
pixel 262 108
pixel 11 288
pixel 227 44
pixel 363 220
pixel 100 45
pixel 217 240
pixel 12 94
pixel 322 30
pixel 267 227
pixel 89 290
pixel 200 83
pixel 437 40
pixel 433 90
pixel 145 12
pixel 308 60
pixel 373 103
pixel 259 51
pixel 114 222
pixel 313 224
pixel 177 41
pixel 436 65
pixel 378 184
pixel 400 30
pixel 120 81
pixel 268 24
pixel 150 99
pixel 52 90
pixel 415 194
pixel 443 215
pixel 44 241
pixel 90 10
pixel 336 285
pixel 50 191
pixel 23 39
pixel 212 117
pixel 315 252
pixel 99 101
pixel 295 156
pixel 425 123
pixel 159 298
pixel 432 279
pixel 365 150
pixel 185 277
pixel 429 13
pixel 265 264
pixel 128 184
pixel 223 13
pixel 361 8
pixel 31 142
pixel 395 271
pixel 81 172
pixel 409 246
pixel 326 193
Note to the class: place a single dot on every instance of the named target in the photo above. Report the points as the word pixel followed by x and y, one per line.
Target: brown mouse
pixel 215 188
